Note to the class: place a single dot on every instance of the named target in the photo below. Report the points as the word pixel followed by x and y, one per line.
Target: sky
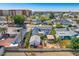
pixel 42 6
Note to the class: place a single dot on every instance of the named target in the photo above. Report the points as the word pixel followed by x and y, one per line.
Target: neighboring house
pixel 36 21
pixel 68 22
pixel 35 40
pixel 10 41
pixel 65 34
pixel 65 22
pixel 77 25
pixel 47 22
pixel 37 30
pixel 50 38
pixel 55 21
pixel 76 30
pixel 13 37
pixel 17 30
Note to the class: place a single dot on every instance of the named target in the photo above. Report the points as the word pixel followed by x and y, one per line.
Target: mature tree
pixel 19 19
pixel 42 36
pixel 75 43
pixel 42 18
pixel 51 16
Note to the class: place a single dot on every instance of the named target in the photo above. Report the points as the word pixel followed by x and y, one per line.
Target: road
pixel 39 54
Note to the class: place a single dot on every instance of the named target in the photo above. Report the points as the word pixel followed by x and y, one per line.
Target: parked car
pixel 2 50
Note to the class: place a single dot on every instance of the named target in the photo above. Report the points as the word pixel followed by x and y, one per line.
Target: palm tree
pixel 53 32
pixel 7 19
pixel 43 39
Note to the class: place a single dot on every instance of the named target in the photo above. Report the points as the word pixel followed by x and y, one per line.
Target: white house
pixel 65 34
pixel 35 40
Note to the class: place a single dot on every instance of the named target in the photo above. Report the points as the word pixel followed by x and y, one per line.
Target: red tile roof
pixel 6 42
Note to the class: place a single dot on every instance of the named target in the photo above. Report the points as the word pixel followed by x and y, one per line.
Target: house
pixel 35 31
pixel 50 38
pixel 65 34
pixel 65 22
pixel 13 37
pixel 55 21
pixel 47 22
pixel 35 40
pixel 36 21
pixel 10 41
pixel 68 22
pixel 76 30
pixel 17 30
pixel 38 30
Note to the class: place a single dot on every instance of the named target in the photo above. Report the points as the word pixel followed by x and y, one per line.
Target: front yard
pixel 65 43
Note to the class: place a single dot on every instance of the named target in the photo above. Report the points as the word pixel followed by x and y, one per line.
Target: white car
pixel 13 45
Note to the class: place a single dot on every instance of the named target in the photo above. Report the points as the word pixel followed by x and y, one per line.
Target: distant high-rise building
pixel 12 12
pixel 15 12
pixel 1 13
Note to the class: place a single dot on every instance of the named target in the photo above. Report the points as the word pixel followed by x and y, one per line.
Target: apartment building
pixel 15 12
pixel 12 12
pixel 1 13
pixel 5 12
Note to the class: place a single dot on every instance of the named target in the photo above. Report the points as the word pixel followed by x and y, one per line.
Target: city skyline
pixel 41 6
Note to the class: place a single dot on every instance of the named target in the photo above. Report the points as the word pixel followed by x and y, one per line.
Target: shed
pixel 50 37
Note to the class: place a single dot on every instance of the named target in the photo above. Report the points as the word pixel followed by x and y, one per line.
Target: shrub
pixel 66 43
pixel 75 43
pixel 59 26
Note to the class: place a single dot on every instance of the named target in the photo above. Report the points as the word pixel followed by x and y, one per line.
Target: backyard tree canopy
pixel 51 16
pixel 44 18
pixel 75 43
pixel 19 19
